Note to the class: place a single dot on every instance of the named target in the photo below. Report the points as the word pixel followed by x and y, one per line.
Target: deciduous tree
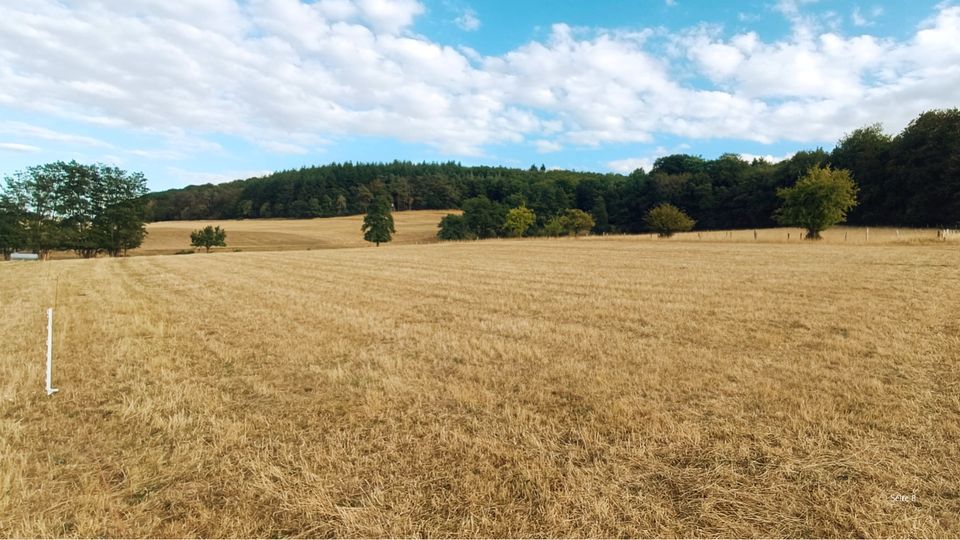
pixel 209 237
pixel 666 219
pixel 818 201
pixel 454 227
pixel 519 220
pixel 575 221
pixel 11 230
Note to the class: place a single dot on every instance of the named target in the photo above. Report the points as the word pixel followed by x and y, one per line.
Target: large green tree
pixel 576 222
pixel 34 192
pixel 519 220
pixel 209 237
pixel 378 223
pixel 11 230
pixel 818 201
pixel 666 220
pixel 484 217
pixel 454 227
pixel 865 152
pixel 118 223
pixel 84 208
pixel 924 170
pixel 600 216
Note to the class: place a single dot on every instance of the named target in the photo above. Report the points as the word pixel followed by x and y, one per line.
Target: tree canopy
pixel 378 223
pixel 519 220
pixel 88 209
pixel 209 237
pixel 911 179
pixel 576 222
pixel 666 220
pixel 818 201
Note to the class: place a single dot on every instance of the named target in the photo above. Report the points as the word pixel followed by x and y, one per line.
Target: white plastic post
pixel 50 389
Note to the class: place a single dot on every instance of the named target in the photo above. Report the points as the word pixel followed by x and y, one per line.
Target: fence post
pixel 50 389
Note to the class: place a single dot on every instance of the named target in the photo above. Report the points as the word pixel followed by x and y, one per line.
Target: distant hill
pixel 166 237
pixel 911 179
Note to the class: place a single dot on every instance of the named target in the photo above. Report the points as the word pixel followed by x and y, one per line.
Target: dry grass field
pixel 835 235
pixel 602 387
pixel 414 227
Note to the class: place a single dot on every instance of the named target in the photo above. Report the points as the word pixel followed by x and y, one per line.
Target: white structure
pixel 24 256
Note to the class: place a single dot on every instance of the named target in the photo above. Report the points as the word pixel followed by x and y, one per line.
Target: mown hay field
pixel 836 235
pixel 413 227
pixel 602 387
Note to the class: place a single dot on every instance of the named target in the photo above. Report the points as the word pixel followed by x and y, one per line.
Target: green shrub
pixel 667 219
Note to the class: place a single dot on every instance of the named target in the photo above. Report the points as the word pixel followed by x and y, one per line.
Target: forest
pixel 908 179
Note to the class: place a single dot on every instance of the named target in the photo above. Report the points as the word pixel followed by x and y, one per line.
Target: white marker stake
pixel 50 389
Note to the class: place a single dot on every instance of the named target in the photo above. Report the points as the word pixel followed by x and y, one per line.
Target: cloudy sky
pixel 193 91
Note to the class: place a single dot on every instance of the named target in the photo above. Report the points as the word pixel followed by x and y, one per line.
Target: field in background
pixel 835 235
pixel 572 387
pixel 414 227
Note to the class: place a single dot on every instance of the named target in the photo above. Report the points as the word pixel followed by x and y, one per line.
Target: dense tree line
pixel 911 179
pixel 88 209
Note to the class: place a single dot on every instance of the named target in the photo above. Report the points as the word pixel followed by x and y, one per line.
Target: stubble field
pixel 601 387
pixel 413 227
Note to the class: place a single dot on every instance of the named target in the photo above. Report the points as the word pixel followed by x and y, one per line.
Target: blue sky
pixel 200 91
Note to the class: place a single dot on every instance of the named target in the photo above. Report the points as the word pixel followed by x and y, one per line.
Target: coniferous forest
pixel 910 179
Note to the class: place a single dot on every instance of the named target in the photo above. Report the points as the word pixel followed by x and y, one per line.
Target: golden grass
pixel 413 227
pixel 610 387
pixel 835 235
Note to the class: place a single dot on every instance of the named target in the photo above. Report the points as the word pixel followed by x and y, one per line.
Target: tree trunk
pixel 813 235
pixel 208 248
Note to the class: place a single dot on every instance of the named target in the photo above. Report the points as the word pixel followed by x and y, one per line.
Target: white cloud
pixel 545 147
pixel 287 74
pixel 628 165
pixel 17 147
pixel 390 15
pixel 468 20
pixel 283 148
pixel 767 157
pixel 22 129
pixel 858 18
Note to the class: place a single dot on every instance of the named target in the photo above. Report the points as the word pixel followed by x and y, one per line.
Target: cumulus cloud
pixel 546 147
pixel 287 74
pixel 628 165
pixel 767 157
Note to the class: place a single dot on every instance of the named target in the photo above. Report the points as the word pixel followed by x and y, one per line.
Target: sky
pixel 197 91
